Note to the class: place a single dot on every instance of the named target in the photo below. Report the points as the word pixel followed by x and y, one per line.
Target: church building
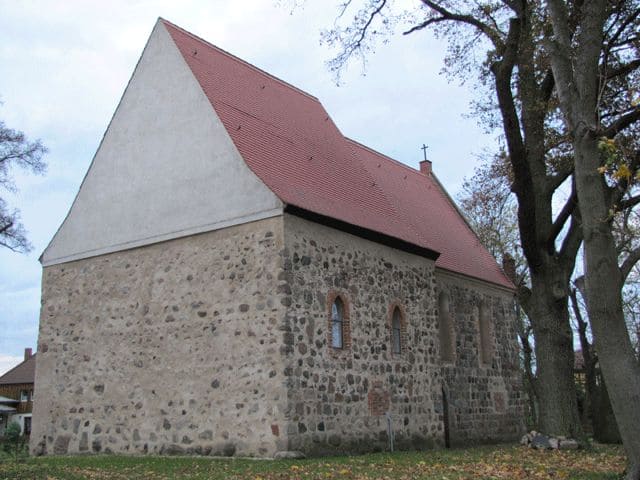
pixel 236 277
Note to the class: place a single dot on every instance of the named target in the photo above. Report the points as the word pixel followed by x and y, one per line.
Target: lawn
pixel 502 462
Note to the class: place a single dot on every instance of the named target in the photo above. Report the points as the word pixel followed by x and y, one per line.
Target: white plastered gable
pixel 166 167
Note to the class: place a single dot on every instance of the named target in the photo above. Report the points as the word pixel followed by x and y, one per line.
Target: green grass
pixel 501 462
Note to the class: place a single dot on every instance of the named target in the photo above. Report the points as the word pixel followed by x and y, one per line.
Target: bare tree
pixel 16 151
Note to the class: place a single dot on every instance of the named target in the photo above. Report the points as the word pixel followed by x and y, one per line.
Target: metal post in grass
pixel 389 430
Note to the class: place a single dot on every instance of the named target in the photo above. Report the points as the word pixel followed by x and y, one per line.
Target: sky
pixel 66 64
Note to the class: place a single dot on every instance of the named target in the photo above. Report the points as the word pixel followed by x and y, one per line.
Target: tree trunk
pixel 555 384
pixel 605 427
pixel 589 362
pixel 575 63
pixel 529 379
pixel 603 282
pixel 597 405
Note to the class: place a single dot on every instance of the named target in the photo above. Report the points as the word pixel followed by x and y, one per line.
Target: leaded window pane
pixel 337 322
pixel 336 335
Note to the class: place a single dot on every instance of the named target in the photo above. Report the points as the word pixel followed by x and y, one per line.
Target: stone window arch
pixel 446 329
pixel 398 327
pixel 486 333
pixel 339 322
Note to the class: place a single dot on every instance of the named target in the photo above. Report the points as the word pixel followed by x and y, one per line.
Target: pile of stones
pixel 540 441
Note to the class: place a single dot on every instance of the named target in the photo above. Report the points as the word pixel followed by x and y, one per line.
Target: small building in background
pixel 16 394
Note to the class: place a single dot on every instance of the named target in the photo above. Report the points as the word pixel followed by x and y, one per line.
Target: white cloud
pixel 7 362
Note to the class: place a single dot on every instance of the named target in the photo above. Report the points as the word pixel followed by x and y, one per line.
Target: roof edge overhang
pixel 362 232
pixel 480 281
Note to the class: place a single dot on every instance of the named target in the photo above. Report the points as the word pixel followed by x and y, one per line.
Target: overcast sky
pixel 66 63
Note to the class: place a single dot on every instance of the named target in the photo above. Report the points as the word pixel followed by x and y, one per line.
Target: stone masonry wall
pixel 337 398
pixel 168 348
pixel 485 399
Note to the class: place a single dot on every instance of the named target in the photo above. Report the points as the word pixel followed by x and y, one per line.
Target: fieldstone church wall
pixel 219 344
pixel 338 397
pixel 168 348
pixel 482 391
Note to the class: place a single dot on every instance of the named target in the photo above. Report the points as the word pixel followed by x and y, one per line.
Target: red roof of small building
pixel 289 141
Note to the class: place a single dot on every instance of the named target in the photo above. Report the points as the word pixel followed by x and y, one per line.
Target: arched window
pixel 486 337
pixel 396 331
pixel 337 323
pixel 446 329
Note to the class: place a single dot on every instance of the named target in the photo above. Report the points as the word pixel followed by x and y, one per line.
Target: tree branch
pixel 572 240
pixel 491 34
pixel 563 216
pixel 622 123
pixel 624 69
pixel 629 263
pixel 628 203
pixel 627 21
pixel 371 17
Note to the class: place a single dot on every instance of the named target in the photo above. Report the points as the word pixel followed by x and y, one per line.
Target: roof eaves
pixel 476 279
pixel 362 232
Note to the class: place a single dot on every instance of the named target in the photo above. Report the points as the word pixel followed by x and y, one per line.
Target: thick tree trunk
pixel 547 301
pixel 555 384
pixel 575 63
pixel 603 281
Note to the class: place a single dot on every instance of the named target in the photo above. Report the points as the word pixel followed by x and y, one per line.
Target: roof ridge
pixel 239 60
pixel 385 156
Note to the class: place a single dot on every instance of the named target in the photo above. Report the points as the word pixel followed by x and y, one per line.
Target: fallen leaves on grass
pixel 510 463
pixel 496 463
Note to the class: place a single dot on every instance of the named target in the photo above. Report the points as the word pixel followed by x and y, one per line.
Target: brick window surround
pixel 346 322
pixel 396 305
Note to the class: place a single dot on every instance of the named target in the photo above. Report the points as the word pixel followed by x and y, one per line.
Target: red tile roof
pixel 289 141
pixel 22 373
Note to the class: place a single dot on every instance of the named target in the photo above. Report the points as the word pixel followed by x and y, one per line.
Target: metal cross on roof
pixel 424 149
